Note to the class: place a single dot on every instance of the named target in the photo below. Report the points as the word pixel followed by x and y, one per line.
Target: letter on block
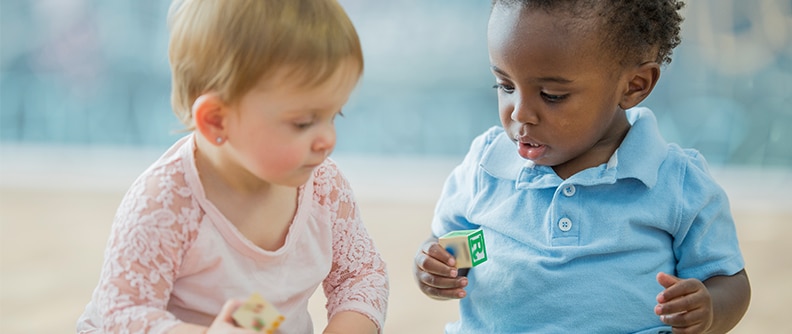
pixel 467 246
pixel 258 314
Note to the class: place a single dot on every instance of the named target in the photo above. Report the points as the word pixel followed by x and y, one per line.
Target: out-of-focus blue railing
pixel 96 72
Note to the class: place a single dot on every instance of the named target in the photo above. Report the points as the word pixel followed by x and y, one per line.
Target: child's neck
pixel 219 174
pixel 600 153
pixel 262 212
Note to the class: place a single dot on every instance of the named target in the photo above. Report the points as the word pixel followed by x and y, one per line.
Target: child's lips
pixel 530 150
pixel 527 141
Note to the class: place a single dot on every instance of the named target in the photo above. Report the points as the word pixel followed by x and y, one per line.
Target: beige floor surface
pixel 52 238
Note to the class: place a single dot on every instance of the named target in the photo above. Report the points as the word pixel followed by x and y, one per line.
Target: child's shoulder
pixel 327 171
pixel 689 163
pixel 646 149
pixel 687 156
pixel 167 176
pixel 163 196
pixel 328 178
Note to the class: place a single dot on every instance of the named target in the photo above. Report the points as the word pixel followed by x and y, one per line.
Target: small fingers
pixel 435 272
pixel 445 285
pixel 666 280
pixel 228 309
pixel 686 322
pixel 437 277
pixel 224 323
pixel 434 260
pixel 681 304
pixel 684 299
pixel 441 282
pixel 442 287
pixel 691 320
pixel 685 304
pixel 680 288
pixel 434 250
pixel 426 263
pixel 444 294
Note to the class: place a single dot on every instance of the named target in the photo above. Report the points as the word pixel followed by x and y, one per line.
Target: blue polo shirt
pixel 581 254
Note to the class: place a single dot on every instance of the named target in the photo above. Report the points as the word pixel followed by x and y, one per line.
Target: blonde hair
pixel 229 46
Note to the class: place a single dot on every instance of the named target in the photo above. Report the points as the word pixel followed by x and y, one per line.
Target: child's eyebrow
pixel 497 70
pixel 552 79
pixel 309 110
pixel 558 80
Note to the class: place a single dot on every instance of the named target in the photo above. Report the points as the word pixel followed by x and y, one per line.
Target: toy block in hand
pixel 258 314
pixel 467 246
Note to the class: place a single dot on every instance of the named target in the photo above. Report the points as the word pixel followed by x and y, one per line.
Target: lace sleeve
pixel 358 280
pixel 152 229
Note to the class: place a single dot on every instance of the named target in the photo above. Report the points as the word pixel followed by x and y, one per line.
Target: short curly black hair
pixel 633 29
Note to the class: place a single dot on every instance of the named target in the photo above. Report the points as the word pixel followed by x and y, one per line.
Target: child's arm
pixel 713 306
pixel 142 257
pixel 153 227
pixel 435 273
pixel 703 217
pixel 350 322
pixel 358 279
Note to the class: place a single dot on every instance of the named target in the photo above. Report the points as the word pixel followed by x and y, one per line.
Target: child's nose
pixel 524 112
pixel 326 139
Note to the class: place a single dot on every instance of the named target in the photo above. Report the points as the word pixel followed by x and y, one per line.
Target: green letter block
pixel 467 246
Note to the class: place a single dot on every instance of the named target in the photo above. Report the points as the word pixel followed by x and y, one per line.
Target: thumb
pixel 666 280
pixel 228 309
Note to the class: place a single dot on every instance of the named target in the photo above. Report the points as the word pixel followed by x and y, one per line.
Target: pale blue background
pixel 91 72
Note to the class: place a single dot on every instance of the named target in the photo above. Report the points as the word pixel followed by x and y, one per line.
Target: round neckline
pixel 230 233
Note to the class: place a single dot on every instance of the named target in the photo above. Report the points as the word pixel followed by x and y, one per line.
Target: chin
pixel 299 179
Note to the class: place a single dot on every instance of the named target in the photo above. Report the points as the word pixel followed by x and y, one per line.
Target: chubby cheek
pixel 274 161
pixel 287 157
pixel 507 122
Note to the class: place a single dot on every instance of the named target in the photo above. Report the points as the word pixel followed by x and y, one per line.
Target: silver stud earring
pixel 219 140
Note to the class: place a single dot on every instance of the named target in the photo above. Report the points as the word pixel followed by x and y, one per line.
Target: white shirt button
pixel 565 224
pixel 569 191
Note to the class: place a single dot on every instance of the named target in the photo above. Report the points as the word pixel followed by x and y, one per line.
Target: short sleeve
pixel 358 280
pixel 705 243
pixel 451 211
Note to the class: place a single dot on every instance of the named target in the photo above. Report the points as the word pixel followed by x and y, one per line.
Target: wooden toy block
pixel 467 246
pixel 258 314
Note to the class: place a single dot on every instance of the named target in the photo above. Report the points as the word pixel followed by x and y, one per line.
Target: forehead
pixel 303 77
pixel 550 41
pixel 290 87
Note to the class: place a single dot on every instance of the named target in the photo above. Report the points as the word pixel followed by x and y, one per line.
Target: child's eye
pixel 553 98
pixel 303 125
pixel 504 88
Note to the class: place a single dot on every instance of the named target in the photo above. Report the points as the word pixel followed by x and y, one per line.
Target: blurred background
pixel 89 72
pixel 84 108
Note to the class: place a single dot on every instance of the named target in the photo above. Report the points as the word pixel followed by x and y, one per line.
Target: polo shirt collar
pixel 642 150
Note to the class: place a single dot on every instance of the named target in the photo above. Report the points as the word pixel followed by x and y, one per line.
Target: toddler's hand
pixel 224 323
pixel 435 272
pixel 685 304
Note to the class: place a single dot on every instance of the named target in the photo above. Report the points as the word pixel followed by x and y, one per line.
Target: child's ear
pixel 641 82
pixel 209 114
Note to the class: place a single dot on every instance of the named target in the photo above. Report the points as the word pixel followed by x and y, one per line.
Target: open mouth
pixel 526 141
pixel 529 149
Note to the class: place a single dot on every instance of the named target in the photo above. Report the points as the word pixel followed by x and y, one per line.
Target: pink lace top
pixel 172 256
